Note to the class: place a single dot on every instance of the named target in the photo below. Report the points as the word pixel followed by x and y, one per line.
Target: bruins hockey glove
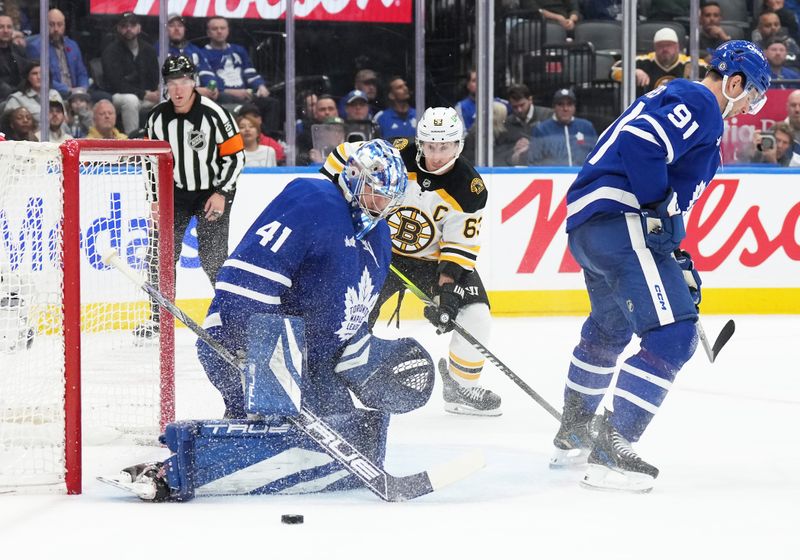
pixel 448 302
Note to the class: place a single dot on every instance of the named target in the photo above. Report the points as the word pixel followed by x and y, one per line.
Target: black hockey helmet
pixel 178 67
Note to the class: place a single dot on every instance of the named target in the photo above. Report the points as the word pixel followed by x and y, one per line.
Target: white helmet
pixel 440 124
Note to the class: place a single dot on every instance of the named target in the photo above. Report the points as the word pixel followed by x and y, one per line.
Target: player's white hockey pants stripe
pixel 465 362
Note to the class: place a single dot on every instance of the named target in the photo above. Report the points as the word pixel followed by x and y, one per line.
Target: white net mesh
pixel 120 372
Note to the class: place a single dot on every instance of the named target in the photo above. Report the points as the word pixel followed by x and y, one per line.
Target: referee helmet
pixel 178 67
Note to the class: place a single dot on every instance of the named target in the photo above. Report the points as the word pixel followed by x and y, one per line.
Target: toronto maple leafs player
pixel 436 237
pixel 625 225
pixel 306 274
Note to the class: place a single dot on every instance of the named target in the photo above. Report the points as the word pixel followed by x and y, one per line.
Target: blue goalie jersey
pixel 301 258
pixel 668 138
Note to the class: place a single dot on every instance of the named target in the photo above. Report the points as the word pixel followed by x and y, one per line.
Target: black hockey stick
pixel 385 486
pixel 724 335
pixel 722 338
pixel 481 348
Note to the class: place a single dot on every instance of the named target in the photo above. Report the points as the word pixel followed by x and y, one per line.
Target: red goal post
pixel 110 192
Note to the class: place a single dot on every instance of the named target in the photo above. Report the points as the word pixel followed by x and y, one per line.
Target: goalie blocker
pixel 269 455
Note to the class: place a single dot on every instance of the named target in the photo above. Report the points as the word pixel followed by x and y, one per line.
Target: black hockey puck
pixel 291 519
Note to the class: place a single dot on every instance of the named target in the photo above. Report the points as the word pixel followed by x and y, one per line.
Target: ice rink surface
pixel 726 440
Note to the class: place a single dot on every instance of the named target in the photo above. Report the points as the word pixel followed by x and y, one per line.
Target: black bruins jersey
pixel 658 74
pixel 440 217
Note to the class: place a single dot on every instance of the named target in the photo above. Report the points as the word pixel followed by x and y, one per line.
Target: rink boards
pixel 743 233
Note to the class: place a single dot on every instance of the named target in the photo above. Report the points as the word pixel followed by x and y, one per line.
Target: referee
pixel 209 155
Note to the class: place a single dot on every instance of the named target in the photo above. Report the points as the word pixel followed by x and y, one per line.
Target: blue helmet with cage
pixel 376 179
pixel 743 57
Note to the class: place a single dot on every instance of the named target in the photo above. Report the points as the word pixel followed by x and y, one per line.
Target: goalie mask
pixel 375 178
pixel 440 139
pixel 393 376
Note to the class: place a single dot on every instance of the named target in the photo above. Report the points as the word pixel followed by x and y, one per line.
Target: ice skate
pixel 146 480
pixel 473 401
pixel 614 465
pixel 573 442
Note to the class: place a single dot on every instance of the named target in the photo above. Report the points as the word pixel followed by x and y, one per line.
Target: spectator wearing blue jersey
pixel 625 227
pixel 562 139
pixel 237 80
pixel 179 45
pixel 400 118
pixel 67 71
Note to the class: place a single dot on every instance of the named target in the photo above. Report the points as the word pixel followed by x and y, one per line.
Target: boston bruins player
pixel 436 239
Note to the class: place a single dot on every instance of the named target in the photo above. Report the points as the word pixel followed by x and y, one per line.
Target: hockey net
pixel 72 371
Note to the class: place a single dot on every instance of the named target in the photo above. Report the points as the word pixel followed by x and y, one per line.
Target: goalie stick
pixel 382 484
pixel 722 338
pixel 481 348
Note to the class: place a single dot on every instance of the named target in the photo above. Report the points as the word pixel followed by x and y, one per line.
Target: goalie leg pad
pixel 226 378
pixel 276 361
pixel 394 376
pixel 220 457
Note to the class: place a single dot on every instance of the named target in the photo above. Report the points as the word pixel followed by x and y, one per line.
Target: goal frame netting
pixel 71 152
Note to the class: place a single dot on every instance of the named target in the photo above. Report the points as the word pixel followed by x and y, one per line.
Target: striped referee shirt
pixel 206 145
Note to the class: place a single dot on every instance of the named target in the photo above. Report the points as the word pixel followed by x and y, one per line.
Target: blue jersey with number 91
pixel 668 138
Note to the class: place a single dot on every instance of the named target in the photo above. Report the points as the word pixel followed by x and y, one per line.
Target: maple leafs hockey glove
pixel 448 302
pixel 663 225
pixel 690 274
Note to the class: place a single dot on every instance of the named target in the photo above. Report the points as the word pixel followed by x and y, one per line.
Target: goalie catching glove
pixel 448 302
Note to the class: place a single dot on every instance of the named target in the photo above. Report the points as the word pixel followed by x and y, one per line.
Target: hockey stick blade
pixel 712 351
pixel 475 343
pixel 382 484
pixel 724 336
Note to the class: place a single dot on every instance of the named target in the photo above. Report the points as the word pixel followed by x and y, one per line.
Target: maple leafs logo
pixel 358 302
pixel 698 190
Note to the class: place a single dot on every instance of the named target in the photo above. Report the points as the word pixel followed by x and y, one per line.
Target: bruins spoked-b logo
pixel 197 140
pixel 412 230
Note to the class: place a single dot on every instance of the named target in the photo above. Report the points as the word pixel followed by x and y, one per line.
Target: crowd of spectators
pixel 113 100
